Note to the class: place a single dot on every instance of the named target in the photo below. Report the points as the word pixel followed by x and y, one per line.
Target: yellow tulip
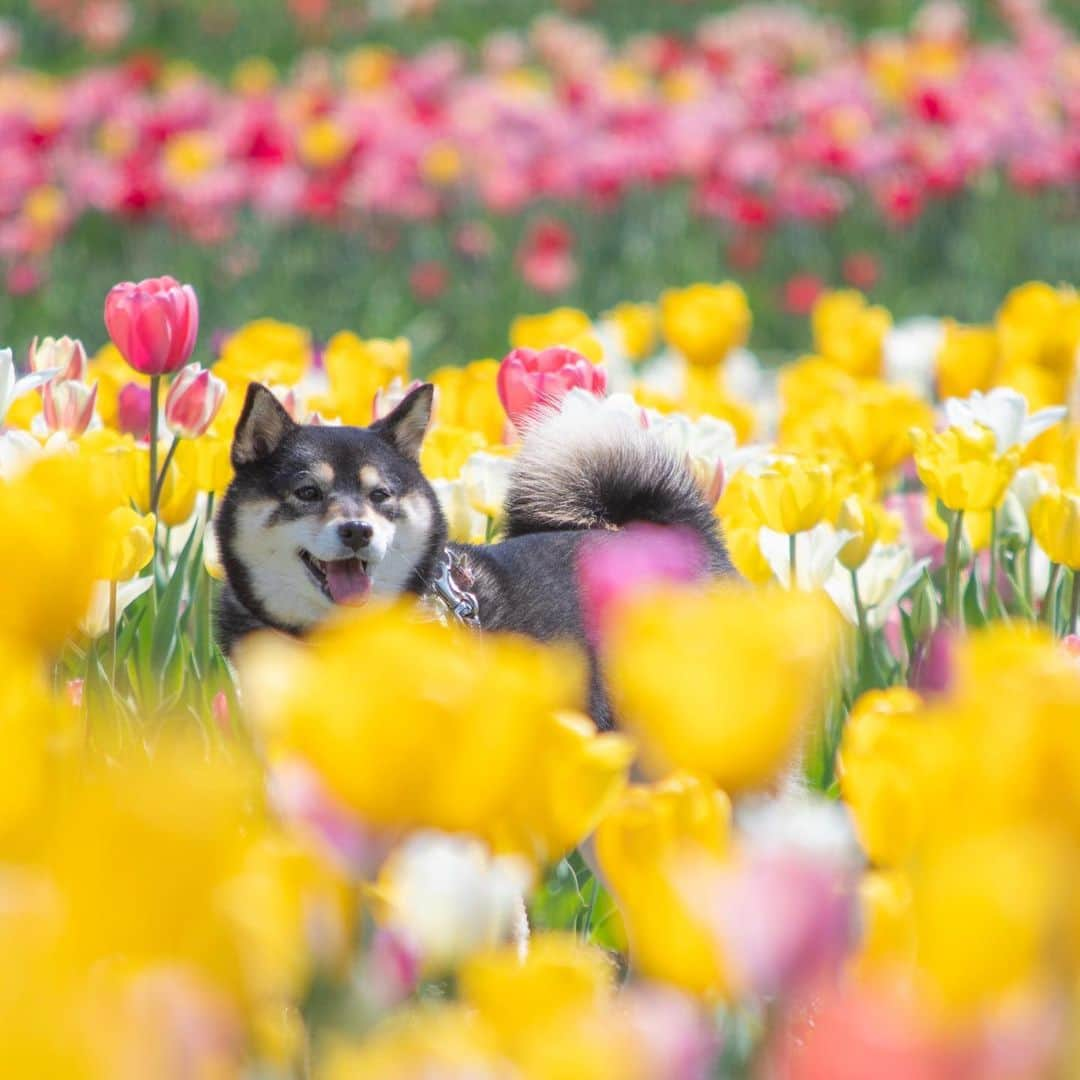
pixel 559 976
pixel 706 395
pixel 129 545
pixel 705 322
pixel 323 142
pixel 870 423
pixel 1039 325
pixel 792 495
pixel 963 469
pixel 265 351
pixel 176 502
pixel 51 541
pixel 1005 888
pixel 471 721
pixel 357 368
pixel 574 784
pixel 446 449
pixel 723 681
pixel 653 836
pixel 466 397
pixel 849 332
pixel 967 360
pixel 441 164
pixel 637 326
pixel 1055 523
pixel 254 76
pixel 865 520
pixel 879 770
pixel 560 326
pixel 888 940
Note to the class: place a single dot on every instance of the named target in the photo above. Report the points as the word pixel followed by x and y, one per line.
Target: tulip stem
pixel 992 586
pixel 160 483
pixel 1049 600
pixel 112 629
pixel 155 382
pixel 791 556
pixel 1074 602
pixel 952 566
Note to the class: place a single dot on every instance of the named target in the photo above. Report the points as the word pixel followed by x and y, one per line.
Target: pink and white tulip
pixel 193 401
pixel 68 406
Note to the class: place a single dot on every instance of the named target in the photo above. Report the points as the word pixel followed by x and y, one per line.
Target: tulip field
pixel 828 259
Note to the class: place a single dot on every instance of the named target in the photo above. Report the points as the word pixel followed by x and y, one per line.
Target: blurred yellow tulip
pixel 472 720
pixel 1055 523
pixel 967 359
pixel 128 544
pixel 850 333
pixel 723 681
pixel 357 368
pixel 51 541
pixel 705 322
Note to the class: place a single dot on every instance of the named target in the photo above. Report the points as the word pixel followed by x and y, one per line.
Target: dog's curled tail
pixel 589 467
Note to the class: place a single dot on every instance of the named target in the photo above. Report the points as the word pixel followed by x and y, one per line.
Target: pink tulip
pixel 193 401
pixel 784 919
pixel 133 410
pixel 153 323
pixel 69 406
pixel 64 355
pixel 529 380
pixel 617 566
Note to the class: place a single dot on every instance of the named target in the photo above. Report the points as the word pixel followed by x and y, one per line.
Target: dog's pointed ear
pixel 404 428
pixel 262 425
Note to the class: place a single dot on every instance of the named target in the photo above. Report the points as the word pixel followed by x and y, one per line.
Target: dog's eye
pixel 308 493
pixel 379 495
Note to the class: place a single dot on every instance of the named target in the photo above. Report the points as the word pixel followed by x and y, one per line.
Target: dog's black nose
pixel 355 534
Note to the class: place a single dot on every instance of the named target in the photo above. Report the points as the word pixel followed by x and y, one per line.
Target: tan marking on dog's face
pixel 369 477
pixel 325 472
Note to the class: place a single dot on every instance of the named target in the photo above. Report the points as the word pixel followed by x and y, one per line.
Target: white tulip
pixel 451 897
pixel 1004 411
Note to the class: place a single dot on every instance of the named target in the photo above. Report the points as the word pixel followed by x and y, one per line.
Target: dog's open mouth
pixel 344 581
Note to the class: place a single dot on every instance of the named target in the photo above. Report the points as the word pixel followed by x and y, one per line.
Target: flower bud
pixel 68 405
pixel 64 355
pixel 193 401
pixel 925 608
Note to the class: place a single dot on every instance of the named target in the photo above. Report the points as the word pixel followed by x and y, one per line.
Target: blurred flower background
pixel 827 256
pixel 431 168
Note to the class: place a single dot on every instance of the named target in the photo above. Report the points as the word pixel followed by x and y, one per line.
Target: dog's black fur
pixel 568 483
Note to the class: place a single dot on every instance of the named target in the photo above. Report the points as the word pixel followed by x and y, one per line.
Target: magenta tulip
pixel 133 410
pixel 153 323
pixel 529 380
pixel 194 400
pixel 615 567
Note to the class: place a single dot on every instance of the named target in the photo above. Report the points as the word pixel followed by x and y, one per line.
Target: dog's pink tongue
pixel 347 582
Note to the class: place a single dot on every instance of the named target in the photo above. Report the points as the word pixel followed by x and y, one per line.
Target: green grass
pixel 959 260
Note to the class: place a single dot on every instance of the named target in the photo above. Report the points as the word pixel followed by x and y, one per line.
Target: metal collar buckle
pixel 448 588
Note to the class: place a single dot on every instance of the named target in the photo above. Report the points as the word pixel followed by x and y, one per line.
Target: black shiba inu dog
pixel 319 516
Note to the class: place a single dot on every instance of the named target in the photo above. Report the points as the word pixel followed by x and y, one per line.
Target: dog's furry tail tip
pixel 588 467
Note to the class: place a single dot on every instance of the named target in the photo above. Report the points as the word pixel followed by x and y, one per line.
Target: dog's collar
pixel 449 591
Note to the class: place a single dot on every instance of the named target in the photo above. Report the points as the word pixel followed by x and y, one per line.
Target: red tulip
pixel 193 401
pixel 528 379
pixel 153 323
